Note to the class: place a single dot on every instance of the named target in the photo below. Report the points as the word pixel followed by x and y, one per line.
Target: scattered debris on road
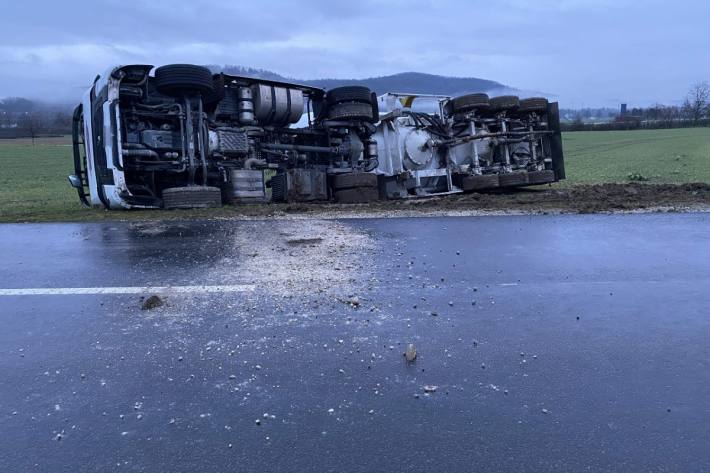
pixel 353 301
pixel 411 353
pixel 152 302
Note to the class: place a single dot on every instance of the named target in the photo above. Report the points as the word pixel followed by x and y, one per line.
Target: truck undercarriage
pixel 184 137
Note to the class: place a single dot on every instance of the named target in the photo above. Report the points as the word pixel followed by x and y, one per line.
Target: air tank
pixel 276 105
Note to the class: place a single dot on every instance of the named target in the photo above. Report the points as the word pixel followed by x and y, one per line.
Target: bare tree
pixel 61 122
pixel 697 101
pixel 31 123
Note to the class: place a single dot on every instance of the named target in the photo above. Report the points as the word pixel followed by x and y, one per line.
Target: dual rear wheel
pixel 504 103
pixel 353 102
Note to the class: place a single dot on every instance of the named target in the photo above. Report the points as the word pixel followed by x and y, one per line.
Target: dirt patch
pixel 581 198
pixel 585 198
pixel 576 199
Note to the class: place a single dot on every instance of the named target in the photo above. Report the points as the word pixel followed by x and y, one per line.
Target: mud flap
pixel 558 159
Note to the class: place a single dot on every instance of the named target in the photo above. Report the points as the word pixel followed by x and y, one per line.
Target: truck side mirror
pixel 75 181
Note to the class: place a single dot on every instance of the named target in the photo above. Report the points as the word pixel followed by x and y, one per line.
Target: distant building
pixel 625 117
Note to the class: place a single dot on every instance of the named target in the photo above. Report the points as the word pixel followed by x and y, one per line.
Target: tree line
pixel 694 112
pixel 23 118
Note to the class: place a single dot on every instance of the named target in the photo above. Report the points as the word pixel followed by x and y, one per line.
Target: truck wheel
pixel 217 93
pixel 355 179
pixel 192 197
pixel 352 111
pixel 466 103
pixel 350 93
pixel 357 195
pixel 504 102
pixel 478 183
pixel 541 177
pixel 513 179
pixel 533 104
pixel 180 79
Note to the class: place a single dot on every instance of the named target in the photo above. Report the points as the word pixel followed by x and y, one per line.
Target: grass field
pixel 34 187
pixel 659 156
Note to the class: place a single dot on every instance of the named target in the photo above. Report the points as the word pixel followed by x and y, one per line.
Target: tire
pixel 351 111
pixel 181 79
pixel 350 93
pixel 192 197
pixel 358 195
pixel 533 104
pixel 504 102
pixel 217 93
pixel 513 179
pixel 355 179
pixel 466 103
pixel 478 183
pixel 541 177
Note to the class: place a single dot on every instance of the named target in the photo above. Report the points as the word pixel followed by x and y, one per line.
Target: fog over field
pixel 586 52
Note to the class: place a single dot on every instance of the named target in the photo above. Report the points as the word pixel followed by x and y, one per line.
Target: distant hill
pixel 415 82
pixel 16 105
pixel 403 82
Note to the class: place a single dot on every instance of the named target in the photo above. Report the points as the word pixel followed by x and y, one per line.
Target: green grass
pixel 33 180
pixel 658 156
pixel 34 187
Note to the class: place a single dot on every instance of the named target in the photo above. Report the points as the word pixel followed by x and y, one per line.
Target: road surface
pixel 555 343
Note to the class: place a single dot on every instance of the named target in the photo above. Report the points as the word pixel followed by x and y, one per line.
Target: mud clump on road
pixel 304 241
pixel 152 302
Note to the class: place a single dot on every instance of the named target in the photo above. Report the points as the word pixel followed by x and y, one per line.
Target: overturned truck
pixel 183 137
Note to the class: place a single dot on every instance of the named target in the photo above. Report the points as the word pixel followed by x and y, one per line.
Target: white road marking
pixel 508 284
pixel 72 291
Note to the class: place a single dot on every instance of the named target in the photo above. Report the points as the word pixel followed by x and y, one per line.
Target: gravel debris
pixel 411 353
pixel 353 301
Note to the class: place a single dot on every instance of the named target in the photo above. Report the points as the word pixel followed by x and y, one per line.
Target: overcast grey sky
pixel 588 52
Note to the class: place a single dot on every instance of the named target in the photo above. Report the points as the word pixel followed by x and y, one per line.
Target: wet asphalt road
pixel 558 343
